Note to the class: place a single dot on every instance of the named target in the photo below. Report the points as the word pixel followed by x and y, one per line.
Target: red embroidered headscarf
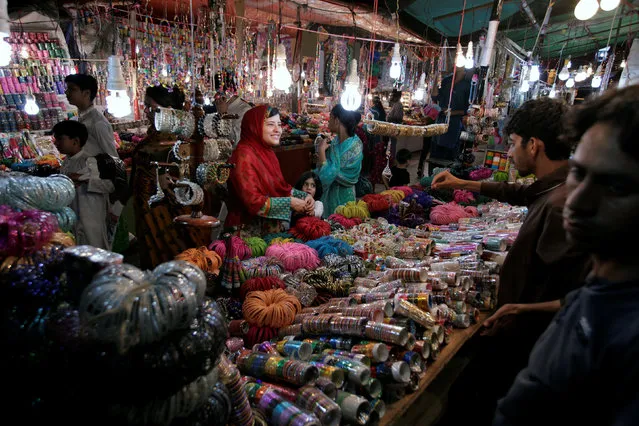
pixel 257 174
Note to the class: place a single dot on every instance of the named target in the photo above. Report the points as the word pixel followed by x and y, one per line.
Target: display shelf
pixel 396 410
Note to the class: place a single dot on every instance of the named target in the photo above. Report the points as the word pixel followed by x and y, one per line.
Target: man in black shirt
pixel 400 176
pixel 584 369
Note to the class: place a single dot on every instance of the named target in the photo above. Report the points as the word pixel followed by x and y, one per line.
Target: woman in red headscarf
pixel 260 200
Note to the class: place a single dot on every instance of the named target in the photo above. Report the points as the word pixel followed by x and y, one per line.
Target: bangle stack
pixel 189 193
pixel 212 173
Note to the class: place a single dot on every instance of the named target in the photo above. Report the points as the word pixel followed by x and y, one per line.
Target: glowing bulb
pixel 369 96
pixel 534 73
pixel 5 51
pixel 187 79
pixel 31 107
pixel 246 68
pixel 281 76
pixel 525 86
pixel 137 49
pixel 351 98
pixel 589 70
pixel 586 9
pixel 261 75
pixel 396 61
pixel 207 100
pixel 470 63
pixel 165 71
pixel 623 64
pixel 596 82
pixel 581 75
pixel 570 83
pixel 24 52
pixel 564 74
pixel 316 94
pixel 118 103
pixel 609 5
pixel 303 75
pixel 553 92
pixel 460 60
pixel 421 88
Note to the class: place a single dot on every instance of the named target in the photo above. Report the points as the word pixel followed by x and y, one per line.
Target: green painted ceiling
pixel 577 38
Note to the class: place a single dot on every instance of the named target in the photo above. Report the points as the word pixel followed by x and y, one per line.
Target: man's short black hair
pixel 72 129
pixel 84 82
pixel 403 155
pixel 617 107
pixel 543 119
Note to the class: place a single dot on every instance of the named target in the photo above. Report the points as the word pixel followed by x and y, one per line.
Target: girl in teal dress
pixel 340 162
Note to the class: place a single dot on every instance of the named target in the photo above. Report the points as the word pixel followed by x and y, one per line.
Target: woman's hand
pixel 508 309
pixel 310 205
pixel 298 206
pixel 323 145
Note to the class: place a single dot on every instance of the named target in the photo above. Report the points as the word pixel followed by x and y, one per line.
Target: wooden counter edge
pixel 459 337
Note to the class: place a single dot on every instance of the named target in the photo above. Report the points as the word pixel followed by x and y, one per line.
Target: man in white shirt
pixel 81 91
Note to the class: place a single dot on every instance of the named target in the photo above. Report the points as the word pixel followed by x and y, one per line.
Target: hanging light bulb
pixel 207 100
pixel 460 60
pixel 608 5
pixel 553 92
pixel 396 63
pixel 564 74
pixel 351 98
pixel 470 63
pixel 596 80
pixel 261 75
pixel 525 86
pixel 623 64
pixel 31 107
pixel 118 101
pixel 137 49
pixel 165 71
pixel 303 75
pixel 187 79
pixel 581 75
pixel 5 30
pixel 589 70
pixel 570 83
pixel 316 94
pixel 24 52
pixel 586 9
pixel 421 88
pixel 246 68
pixel 533 76
pixel 281 76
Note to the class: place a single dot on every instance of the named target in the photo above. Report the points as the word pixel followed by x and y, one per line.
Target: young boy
pixel 400 170
pixel 81 91
pixel 91 203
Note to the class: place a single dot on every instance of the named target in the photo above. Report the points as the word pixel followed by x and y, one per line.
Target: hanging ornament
pixel 282 79
pixel 351 98
pixel 470 62
pixel 396 61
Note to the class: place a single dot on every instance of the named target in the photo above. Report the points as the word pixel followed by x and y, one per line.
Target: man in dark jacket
pixel 585 367
pixel 540 267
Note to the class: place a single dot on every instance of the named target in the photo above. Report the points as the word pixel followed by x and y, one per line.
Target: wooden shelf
pixel 396 410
